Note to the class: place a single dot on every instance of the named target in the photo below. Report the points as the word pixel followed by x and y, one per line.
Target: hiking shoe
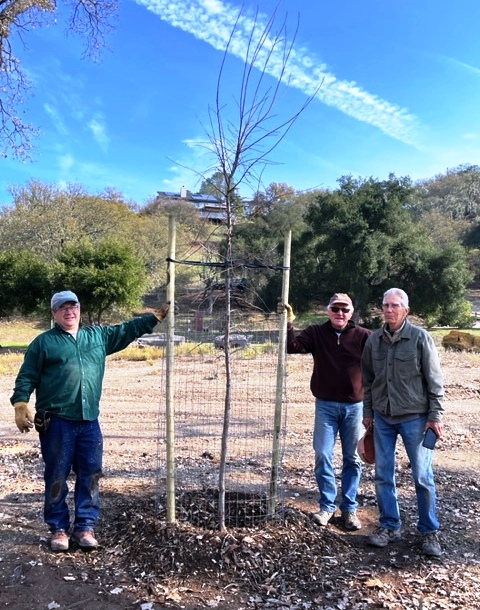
pixel 350 520
pixel 382 536
pixel 431 545
pixel 322 517
pixel 59 541
pixel 85 539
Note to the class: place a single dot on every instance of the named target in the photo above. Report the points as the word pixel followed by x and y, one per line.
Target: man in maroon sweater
pixel 336 383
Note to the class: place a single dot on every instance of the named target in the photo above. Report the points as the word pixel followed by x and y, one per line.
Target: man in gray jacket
pixel 403 396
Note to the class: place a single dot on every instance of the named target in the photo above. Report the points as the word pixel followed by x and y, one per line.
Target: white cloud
pixel 57 119
pixel 66 162
pixel 98 128
pixel 182 175
pixel 212 21
pixel 182 172
pixel 196 142
pixel 212 6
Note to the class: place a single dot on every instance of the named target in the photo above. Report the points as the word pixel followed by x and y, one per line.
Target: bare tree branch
pixel 91 19
pixel 242 147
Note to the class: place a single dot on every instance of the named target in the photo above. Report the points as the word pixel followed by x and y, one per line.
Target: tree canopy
pixel 361 239
pixel 48 233
pixel 46 218
pixel 455 193
pixel 102 275
pixel 24 282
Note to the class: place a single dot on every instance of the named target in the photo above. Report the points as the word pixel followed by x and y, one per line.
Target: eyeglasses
pixel 337 309
pixel 392 305
pixel 65 308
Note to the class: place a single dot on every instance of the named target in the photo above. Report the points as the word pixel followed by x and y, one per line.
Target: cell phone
pixel 429 439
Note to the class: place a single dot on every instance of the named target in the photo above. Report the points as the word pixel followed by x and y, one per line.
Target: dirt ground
pixel 143 563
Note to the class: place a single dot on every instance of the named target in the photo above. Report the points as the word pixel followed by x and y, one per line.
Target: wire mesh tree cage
pixel 199 397
pixel 221 364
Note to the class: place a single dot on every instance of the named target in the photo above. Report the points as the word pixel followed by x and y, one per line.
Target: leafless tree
pixel 91 19
pixel 242 143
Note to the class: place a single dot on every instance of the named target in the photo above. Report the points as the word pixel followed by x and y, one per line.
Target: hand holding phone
pixel 429 439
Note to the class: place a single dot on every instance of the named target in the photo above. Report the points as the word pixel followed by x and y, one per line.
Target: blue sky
pixel 400 93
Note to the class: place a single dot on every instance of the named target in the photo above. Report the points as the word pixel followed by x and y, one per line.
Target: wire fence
pixel 199 407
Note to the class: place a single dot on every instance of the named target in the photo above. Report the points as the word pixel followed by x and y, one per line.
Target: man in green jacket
pixel 65 366
pixel 403 397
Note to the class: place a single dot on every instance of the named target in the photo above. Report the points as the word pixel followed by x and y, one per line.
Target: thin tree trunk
pixel 228 376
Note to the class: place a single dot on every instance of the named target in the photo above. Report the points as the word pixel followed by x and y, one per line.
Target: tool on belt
pixel 42 420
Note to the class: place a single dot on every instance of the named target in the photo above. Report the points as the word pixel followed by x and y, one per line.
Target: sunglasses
pixel 337 309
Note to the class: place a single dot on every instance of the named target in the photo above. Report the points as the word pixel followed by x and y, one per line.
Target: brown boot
pixel 59 541
pixel 85 539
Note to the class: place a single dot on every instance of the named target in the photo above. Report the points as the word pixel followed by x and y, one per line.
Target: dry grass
pixel 138 354
pixel 18 332
pixel 10 362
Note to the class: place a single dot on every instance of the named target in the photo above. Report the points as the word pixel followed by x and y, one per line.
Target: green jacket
pixel 67 374
pixel 402 377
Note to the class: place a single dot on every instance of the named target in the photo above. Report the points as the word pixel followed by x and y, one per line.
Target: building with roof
pixel 209 207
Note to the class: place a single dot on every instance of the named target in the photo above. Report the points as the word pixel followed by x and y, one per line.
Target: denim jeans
pixel 78 446
pixel 331 419
pixel 385 437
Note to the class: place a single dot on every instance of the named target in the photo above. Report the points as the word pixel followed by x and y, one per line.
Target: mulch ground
pixel 287 562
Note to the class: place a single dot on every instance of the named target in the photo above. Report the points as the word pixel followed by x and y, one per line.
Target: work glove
pixel 162 312
pixel 23 416
pixel 281 307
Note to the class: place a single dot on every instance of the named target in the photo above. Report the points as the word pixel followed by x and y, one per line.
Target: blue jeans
pixel 331 419
pixel 385 437
pixel 78 446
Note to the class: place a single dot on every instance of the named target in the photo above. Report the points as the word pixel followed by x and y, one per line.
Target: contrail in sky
pixel 213 21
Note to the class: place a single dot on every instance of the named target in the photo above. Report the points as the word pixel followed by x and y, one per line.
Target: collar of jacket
pixel 59 328
pixel 403 332
pixel 349 325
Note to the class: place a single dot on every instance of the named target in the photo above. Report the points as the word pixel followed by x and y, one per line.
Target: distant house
pixel 208 206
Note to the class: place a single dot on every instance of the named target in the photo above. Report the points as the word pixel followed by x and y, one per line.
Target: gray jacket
pixel 403 376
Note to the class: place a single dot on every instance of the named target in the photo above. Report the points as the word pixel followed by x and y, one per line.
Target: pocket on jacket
pixel 405 363
pixel 379 358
